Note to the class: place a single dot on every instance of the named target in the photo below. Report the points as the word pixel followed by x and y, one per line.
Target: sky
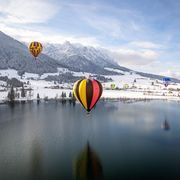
pixel 143 35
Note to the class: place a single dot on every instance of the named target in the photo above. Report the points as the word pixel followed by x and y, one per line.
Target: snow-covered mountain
pixel 89 59
pixel 65 50
pixel 74 57
pixel 15 55
pixel 82 58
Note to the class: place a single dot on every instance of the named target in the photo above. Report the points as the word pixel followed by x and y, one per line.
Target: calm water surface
pixel 115 141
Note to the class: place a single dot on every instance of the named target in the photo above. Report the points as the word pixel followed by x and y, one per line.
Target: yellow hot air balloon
pixel 125 86
pixel 113 86
pixel 87 92
pixel 35 48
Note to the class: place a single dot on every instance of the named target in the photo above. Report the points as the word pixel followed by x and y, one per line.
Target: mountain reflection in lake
pixel 49 141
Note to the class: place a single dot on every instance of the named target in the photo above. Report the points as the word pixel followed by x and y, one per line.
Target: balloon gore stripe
pixel 96 93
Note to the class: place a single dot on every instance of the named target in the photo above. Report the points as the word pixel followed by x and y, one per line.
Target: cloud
pixel 108 21
pixel 20 11
pixel 127 56
pixel 145 45
pixel 26 35
pixel 170 73
pixel 109 26
pixel 113 27
pixel 20 33
pixel 137 54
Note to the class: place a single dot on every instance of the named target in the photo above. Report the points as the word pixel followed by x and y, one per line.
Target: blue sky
pixel 141 34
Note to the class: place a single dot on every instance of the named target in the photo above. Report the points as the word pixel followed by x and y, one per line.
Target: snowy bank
pixel 107 94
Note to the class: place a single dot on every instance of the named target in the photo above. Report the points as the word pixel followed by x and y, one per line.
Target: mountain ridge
pixel 15 55
pixel 81 58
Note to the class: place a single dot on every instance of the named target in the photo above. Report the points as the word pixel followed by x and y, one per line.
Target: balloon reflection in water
pixel 88 165
pixel 165 125
pixel 36 161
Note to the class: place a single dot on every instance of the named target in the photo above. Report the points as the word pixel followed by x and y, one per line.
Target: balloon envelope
pixel 166 81
pixel 113 86
pixel 87 92
pixel 35 48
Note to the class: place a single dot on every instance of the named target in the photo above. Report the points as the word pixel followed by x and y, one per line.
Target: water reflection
pixel 39 141
pixel 38 101
pixel 74 103
pixel 165 125
pixel 36 161
pixel 88 165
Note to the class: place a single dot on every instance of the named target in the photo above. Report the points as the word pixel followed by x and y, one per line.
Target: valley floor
pixel 137 87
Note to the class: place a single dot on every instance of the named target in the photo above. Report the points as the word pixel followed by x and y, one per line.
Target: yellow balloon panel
pixel 82 94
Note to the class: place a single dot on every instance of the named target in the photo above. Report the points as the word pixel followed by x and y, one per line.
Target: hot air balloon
pixel 166 81
pixel 88 165
pixel 35 48
pixel 113 86
pixel 125 86
pixel 87 92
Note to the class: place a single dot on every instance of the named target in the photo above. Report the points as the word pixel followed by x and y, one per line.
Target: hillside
pixel 15 55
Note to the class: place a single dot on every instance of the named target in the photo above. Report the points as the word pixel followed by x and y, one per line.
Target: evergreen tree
pixel 11 94
pixel 70 95
pixel 73 97
pixel 30 93
pixel 38 97
pixel 23 94
pixel 62 94
pixel 16 93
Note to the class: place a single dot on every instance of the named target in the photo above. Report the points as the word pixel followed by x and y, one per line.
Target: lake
pixel 117 140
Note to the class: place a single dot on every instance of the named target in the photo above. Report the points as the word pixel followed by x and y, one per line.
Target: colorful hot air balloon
pixel 166 81
pixel 125 86
pixel 35 48
pixel 88 92
pixel 113 86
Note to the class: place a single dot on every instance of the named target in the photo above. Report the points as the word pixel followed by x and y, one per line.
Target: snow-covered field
pixel 137 87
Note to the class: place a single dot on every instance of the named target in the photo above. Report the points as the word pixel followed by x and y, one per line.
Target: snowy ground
pixel 142 88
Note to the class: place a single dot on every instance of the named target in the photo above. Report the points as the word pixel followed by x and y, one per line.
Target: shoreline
pixel 120 99
pixel 107 95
